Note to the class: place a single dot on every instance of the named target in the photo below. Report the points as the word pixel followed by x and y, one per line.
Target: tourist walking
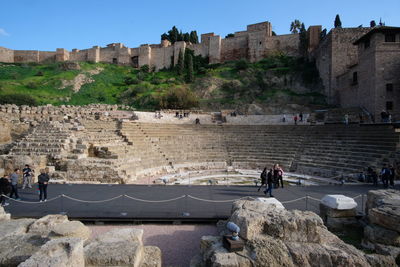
pixel 392 175
pixel 14 184
pixel 27 174
pixel 269 183
pixel 295 119
pixel 5 188
pixel 263 178
pixel 43 180
pixel 277 175
pixel 280 175
pixel 385 174
pixel 301 116
pixel 346 119
pixel 374 177
pixel 275 178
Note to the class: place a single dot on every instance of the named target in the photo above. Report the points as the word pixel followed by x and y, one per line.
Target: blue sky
pixel 51 24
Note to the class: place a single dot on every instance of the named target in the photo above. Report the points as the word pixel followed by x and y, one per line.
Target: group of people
pixel 181 115
pixel 9 183
pixel 157 115
pixel 296 118
pixel 271 179
pixel 387 175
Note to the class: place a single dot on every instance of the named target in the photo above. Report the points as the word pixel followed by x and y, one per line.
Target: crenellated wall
pixel 253 44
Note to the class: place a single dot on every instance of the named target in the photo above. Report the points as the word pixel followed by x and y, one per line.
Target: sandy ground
pixel 178 243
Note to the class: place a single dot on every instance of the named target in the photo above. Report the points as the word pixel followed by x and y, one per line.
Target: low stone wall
pixel 12 112
pixel 382 234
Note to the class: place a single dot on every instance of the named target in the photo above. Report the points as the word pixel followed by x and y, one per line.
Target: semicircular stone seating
pixel 122 152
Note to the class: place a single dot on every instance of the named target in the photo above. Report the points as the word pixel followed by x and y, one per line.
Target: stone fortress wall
pixel 253 44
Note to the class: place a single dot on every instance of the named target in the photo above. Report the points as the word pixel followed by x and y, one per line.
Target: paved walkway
pixel 158 202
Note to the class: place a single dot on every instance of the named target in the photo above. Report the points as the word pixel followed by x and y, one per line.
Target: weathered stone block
pixel 18 248
pixel 381 197
pixel 341 223
pixel 152 257
pixel 377 234
pixel 326 211
pixel 71 229
pixel 119 253
pixel 14 227
pixel 45 225
pixel 271 201
pixel 339 202
pixel 386 216
pixel 63 252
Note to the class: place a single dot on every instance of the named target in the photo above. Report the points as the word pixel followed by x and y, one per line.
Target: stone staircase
pixel 122 152
pixel 51 139
pixel 337 149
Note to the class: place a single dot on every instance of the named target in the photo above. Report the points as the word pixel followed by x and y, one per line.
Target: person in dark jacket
pixel 269 183
pixel 43 180
pixel 385 174
pixel 5 189
pixel 263 179
pixel 392 175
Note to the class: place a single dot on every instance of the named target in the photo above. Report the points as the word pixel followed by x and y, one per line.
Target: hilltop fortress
pixel 357 65
pixel 253 44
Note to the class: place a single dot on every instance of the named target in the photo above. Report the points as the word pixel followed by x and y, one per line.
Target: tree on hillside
pixel 372 23
pixel 295 26
pixel 181 64
pixel 338 22
pixel 190 72
pixel 229 35
pixel 303 40
pixel 194 39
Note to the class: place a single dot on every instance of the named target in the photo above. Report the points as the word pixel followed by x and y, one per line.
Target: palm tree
pixel 295 26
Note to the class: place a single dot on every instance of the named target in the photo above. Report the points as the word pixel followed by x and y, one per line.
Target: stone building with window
pixel 373 82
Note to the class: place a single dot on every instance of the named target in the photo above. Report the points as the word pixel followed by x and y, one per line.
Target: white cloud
pixel 3 32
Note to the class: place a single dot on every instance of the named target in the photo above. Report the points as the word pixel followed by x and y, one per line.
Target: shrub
pixel 32 85
pixel 130 80
pixel 141 76
pixel 241 64
pixel 179 98
pixel 145 68
pixel 18 99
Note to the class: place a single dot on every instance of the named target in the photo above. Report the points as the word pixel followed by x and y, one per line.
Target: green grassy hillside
pixel 275 80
